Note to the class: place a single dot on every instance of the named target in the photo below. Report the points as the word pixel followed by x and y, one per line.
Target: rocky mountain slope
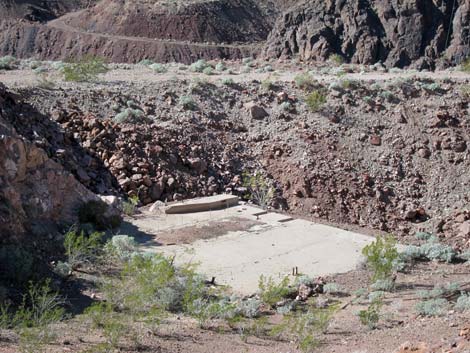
pixel 414 32
pixel 38 10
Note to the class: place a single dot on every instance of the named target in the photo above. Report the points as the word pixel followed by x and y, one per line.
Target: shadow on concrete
pixel 140 237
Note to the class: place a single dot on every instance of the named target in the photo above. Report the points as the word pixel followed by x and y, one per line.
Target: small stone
pixel 375 140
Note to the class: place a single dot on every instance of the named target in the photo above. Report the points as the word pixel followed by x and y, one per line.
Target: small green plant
pixel 8 62
pixel 80 248
pixel 315 100
pixel 86 69
pixel 331 288
pixel 465 65
pixel 188 103
pixel 40 307
pixel 228 81
pixel 129 115
pixel 463 302
pixel 267 85
pixel 432 307
pixel 286 106
pixel 122 247
pixel 259 189
pixel 158 68
pixel 304 327
pixel 129 206
pixel 386 285
pixel 336 58
pixel 208 71
pixel 371 316
pixel 199 66
pixel 271 293
pixel 220 67
pixel 145 62
pixel 380 257
pixel 304 81
pixel 45 81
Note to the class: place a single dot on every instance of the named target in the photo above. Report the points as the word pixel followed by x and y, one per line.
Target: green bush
pixel 386 285
pixel 271 293
pixel 158 68
pixel 40 307
pixel 208 71
pixel 220 67
pixel 199 66
pixel 188 103
pixel 432 307
pixel 129 115
pixel 129 207
pixel 228 81
pixel 122 246
pixel 371 316
pixel 315 100
pixel 336 58
pixel 463 302
pixel 80 248
pixel 304 81
pixel 86 69
pixel 465 65
pixel 259 189
pixel 145 62
pixel 8 62
pixel 331 288
pixel 380 257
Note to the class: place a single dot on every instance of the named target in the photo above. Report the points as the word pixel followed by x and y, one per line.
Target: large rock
pixel 36 193
pixel 366 31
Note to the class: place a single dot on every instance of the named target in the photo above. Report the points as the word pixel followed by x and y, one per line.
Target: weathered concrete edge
pixel 190 207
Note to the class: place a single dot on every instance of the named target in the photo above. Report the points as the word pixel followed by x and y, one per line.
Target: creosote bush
pixel 85 69
pixel 380 257
pixel 199 66
pixel 304 81
pixel 158 68
pixel 81 248
pixel 8 62
pixel 271 292
pixel 259 189
pixel 315 100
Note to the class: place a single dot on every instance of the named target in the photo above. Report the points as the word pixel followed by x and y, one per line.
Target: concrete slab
pixel 272 246
pixel 202 204
pixel 240 258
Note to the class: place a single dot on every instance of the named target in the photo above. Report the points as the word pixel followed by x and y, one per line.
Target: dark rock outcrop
pixel 36 193
pixel 413 32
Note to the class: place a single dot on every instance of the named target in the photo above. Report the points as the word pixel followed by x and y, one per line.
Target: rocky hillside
pixel 414 32
pixel 38 10
pixel 221 21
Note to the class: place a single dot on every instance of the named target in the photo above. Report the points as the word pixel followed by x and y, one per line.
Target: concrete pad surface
pixel 272 247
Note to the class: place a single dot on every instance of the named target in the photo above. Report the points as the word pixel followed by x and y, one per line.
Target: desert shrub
pixel 423 235
pixel 80 248
pixel 437 251
pixel 228 81
pixel 465 65
pixel 388 96
pixel 304 81
pixel 375 295
pixel 158 68
pixel 270 292
pixel 145 62
pixel 386 285
pixel 188 103
pixel 439 291
pixel 122 246
pixel 86 69
pixel 8 62
pixel 465 256
pixel 368 99
pixel 129 115
pixel 432 307
pixel 112 324
pixel 380 256
pixel 220 67
pixel 208 71
pixel 371 316
pixel 16 264
pixel 96 213
pixel 336 58
pixel 304 327
pixel 248 61
pixel 315 100
pixel 267 85
pixel 286 106
pixel 259 189
pixel 331 288
pixel 199 66
pixel 286 307
pixel 463 302
pixel 267 68
pixel 45 81
pixel 40 307
pixel 63 269
pixel 432 87
pixel 129 206
pixel 249 308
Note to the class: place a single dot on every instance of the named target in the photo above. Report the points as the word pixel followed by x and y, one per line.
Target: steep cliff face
pixel 36 193
pixel 399 33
